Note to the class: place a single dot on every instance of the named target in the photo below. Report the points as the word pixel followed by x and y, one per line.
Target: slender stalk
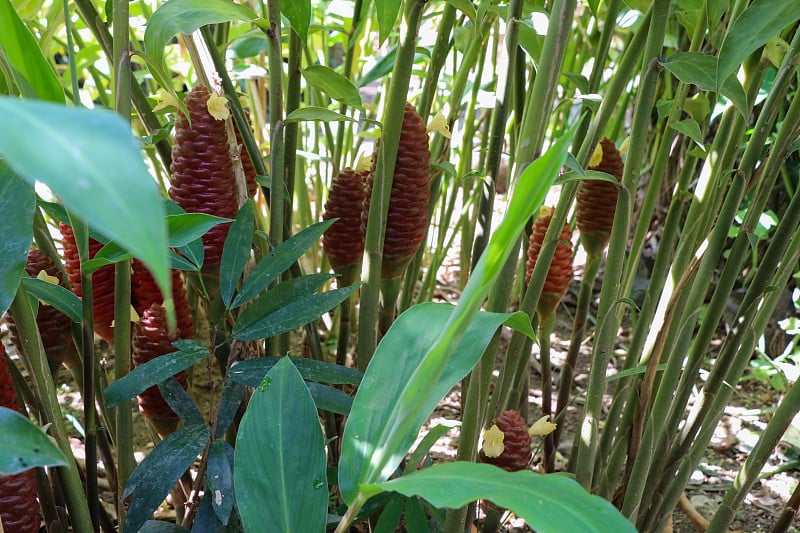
pixel 25 320
pixel 382 186
pixel 786 517
pixel 546 322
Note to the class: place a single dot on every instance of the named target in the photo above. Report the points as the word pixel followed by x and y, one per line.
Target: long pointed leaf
pixel 279 471
pixel 17 203
pixel 236 251
pixel 24 445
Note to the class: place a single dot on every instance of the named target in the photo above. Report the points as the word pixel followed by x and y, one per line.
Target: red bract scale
pixel 407 220
pixel 145 292
pixel 344 240
pixel 247 166
pixel 102 282
pixel 516 443
pixel 19 509
pixel 202 172
pixel 152 339
pixel 55 327
pixel 560 273
pixel 596 201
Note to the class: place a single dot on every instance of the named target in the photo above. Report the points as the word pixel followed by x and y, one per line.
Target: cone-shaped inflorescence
pixel 102 282
pixel 54 326
pixel 560 273
pixel 145 292
pixel 597 201
pixel 202 171
pixel 19 509
pixel 247 164
pixel 152 339
pixel 344 240
pixel 407 220
pixel 516 452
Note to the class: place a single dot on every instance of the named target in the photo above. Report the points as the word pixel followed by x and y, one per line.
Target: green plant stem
pixel 438 56
pixel 45 390
pixel 382 186
pixel 786 517
pixel 351 513
pixel 349 56
pixel 604 341
pixel 780 420
pixel 546 322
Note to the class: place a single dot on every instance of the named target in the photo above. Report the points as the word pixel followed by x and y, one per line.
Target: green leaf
pixel 189 227
pixel 425 353
pixel 293 315
pixel 160 470
pixel 299 14
pixel 159 526
pixel 317 113
pixel 155 371
pixel 333 84
pixel 550 503
pixel 59 297
pixel 279 470
pixel 30 71
pixel 277 261
pixel 17 204
pixel 219 479
pixel 236 251
pixel 424 446
pixel 415 516
pixel 466 7
pixel 390 517
pixel 330 399
pixel 280 296
pixel 229 402
pixel 588 175
pixel 384 422
pixel 185 16
pixel 690 128
pixel 641 369
pixel 180 402
pixel 387 15
pixel 383 67
pixel 762 20
pixel 252 371
pixel 125 202
pixel 24 445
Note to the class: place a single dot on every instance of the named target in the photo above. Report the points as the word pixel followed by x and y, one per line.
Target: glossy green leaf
pixel 24 445
pixel 229 402
pixel 330 399
pixel 431 347
pixel 466 7
pixel 383 67
pixel 700 69
pixel 390 517
pixel 252 371
pixel 424 446
pixel 160 470
pixel 180 401
pixel 387 15
pixel 32 74
pixel 236 251
pixel 317 113
pixel 17 204
pixel 278 261
pixel 219 479
pixel 415 516
pixel 333 84
pixel 298 12
pixel 59 297
pixel 589 175
pixel 761 21
pixel 295 314
pixel 185 16
pixel 125 203
pixel 159 526
pixel 551 503
pixel 384 421
pixel 155 371
pixel 188 227
pixel 279 470
pixel 280 296
pixel 690 128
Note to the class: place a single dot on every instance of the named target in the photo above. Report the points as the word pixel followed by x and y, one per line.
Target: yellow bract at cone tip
pixel 493 442
pixel 623 150
pixel 545 211
pixel 44 276
pixel 218 107
pixel 364 163
pixel 134 317
pixel 597 155
pixel 542 427
pixel 439 124
pixel 166 100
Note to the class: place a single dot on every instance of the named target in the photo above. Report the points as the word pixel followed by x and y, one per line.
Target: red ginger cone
pixel 145 292
pixel 202 171
pixel 152 339
pixel 407 220
pixel 344 240
pixel 102 282
pixel 560 273
pixel 19 509
pixel 516 452
pixel 54 326
pixel 596 201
